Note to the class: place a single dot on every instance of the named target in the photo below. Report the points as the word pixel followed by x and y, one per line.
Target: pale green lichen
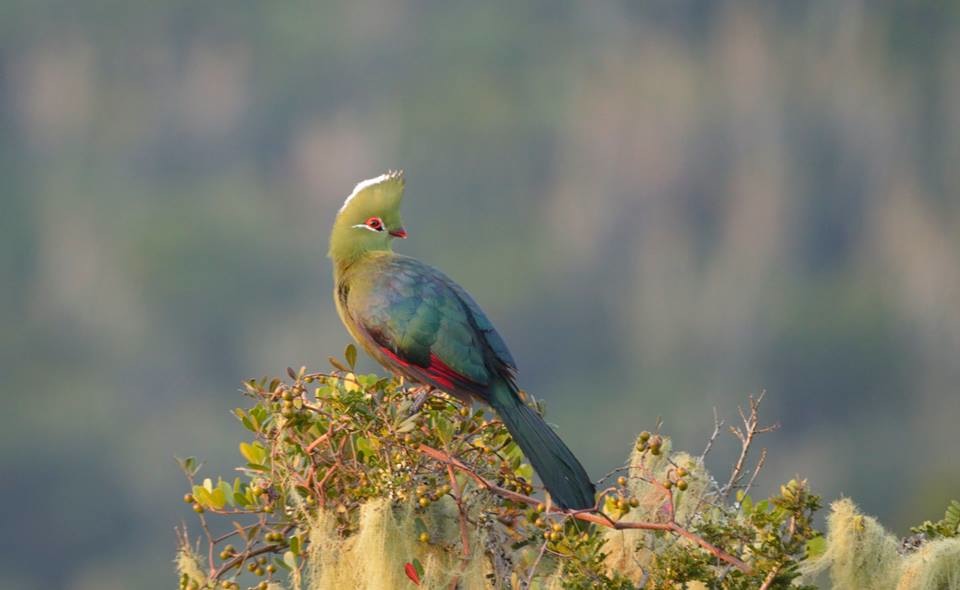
pixel 934 566
pixel 188 564
pixel 387 539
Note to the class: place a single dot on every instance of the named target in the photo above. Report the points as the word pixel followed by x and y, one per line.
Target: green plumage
pixel 417 322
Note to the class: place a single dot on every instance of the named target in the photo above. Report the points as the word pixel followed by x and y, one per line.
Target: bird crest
pixel 382 193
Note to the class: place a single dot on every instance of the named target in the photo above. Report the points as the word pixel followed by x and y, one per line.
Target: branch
pixel 590 515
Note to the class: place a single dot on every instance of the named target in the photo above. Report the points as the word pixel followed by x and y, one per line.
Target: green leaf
pixel 202 496
pixel 351 355
pixel 244 419
pixel 218 498
pixel 259 415
pixel 407 425
pixel 226 492
pixel 816 547
pixel 254 453
pixel 188 465
pixel 364 446
pixel 295 544
pixel 418 566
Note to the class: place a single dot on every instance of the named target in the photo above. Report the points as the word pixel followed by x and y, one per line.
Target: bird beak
pixel 399 233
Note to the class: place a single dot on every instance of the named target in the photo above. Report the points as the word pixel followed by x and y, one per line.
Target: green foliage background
pixel 663 206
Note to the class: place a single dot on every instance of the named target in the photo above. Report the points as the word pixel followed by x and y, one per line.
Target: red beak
pixel 399 233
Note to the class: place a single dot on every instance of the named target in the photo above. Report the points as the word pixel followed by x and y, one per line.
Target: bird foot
pixel 422 393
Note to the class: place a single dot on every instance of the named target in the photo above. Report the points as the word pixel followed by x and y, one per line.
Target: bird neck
pixel 348 259
pixel 347 248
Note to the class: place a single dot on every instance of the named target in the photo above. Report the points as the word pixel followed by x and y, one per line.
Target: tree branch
pixel 590 515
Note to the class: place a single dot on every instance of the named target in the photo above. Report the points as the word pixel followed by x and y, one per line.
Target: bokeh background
pixel 664 205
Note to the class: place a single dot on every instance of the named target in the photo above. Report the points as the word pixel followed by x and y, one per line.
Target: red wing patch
pixel 440 372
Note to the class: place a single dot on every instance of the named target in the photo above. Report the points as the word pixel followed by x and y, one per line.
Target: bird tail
pixel 558 468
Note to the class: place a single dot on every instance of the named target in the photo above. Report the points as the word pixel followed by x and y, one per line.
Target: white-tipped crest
pixel 365 184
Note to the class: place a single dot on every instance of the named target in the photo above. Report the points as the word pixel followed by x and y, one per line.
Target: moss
pixel 188 564
pixel 860 553
pixel 386 540
pixel 935 566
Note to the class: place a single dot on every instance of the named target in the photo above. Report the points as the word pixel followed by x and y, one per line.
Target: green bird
pixel 418 323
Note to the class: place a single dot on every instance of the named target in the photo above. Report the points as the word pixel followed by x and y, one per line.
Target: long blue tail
pixel 558 468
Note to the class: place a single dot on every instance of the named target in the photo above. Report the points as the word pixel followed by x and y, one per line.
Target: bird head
pixel 369 219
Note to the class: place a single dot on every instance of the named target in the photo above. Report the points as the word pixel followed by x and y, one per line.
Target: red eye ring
pixel 375 223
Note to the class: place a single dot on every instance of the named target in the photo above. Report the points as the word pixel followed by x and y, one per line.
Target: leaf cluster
pixel 946 528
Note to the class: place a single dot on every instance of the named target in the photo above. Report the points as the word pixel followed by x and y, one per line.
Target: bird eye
pixel 375 223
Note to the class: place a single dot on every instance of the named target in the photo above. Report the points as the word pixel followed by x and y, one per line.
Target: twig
pixel 768 581
pixel 227 566
pixel 717 425
pixel 751 428
pixel 756 470
pixel 536 562
pixel 458 497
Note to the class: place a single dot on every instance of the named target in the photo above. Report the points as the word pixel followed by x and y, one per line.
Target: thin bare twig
pixel 717 425
pixel 746 436
pixel 536 562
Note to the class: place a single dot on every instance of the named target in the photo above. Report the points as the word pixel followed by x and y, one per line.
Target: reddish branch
pixel 588 516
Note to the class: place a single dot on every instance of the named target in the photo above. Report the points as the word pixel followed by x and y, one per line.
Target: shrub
pixel 356 481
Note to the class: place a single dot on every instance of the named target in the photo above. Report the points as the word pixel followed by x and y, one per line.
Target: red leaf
pixel 411 573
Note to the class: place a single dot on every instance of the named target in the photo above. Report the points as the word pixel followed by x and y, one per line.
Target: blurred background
pixel 664 206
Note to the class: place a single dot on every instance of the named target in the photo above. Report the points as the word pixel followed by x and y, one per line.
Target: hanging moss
pixel 860 553
pixel 387 538
pixel 189 568
pixel 935 566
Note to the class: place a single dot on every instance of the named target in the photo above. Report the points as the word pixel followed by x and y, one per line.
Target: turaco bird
pixel 418 323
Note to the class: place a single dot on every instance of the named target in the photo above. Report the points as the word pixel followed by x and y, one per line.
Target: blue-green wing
pixel 420 318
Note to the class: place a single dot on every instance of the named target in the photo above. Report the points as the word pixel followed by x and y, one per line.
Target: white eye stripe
pixel 368 228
